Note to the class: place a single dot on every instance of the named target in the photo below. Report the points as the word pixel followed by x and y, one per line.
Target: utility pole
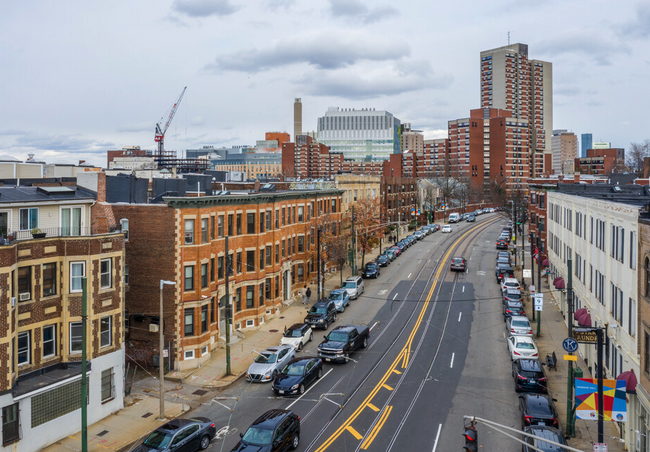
pixel 84 380
pixel 161 351
pixel 318 263
pixel 514 226
pixel 539 266
pixel 569 387
pixel 228 314
pixel 601 415
pixel 532 268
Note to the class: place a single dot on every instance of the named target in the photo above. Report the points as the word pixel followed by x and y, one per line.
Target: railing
pixel 12 237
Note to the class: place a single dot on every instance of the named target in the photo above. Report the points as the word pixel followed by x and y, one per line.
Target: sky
pixel 80 78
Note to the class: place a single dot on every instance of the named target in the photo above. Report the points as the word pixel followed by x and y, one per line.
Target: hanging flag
pixel 536 254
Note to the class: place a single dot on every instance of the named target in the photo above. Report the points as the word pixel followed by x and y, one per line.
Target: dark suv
pixel 529 376
pixel 275 430
pixel 538 409
pixel 321 314
pixel 371 270
pixel 542 432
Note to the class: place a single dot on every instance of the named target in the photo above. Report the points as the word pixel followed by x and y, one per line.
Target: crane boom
pixel 160 132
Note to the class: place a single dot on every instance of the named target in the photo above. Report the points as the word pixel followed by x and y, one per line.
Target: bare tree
pixel 635 156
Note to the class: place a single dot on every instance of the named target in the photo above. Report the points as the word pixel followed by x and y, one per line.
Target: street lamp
pixel 161 360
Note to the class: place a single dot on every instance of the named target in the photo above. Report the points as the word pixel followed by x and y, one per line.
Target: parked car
pixel 512 295
pixel 354 286
pixel 391 253
pixel 529 376
pixel 447 228
pixel 543 433
pixel 471 219
pixel 402 245
pixel 518 325
pixel 396 250
pixel 458 264
pixel 522 347
pixel 269 362
pixel 436 227
pixel 297 375
pixel 275 430
pixel 342 341
pixel 297 335
pixel 537 409
pixel 510 283
pixel 502 244
pixel 180 434
pixel 511 308
pixel 341 299
pixel 503 259
pixel 419 235
pixel 321 314
pixel 500 269
pixel 371 270
pixel 382 260
pixel 501 254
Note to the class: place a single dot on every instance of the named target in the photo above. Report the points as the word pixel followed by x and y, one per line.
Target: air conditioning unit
pixel 25 296
pixel 153 328
pixel 13 301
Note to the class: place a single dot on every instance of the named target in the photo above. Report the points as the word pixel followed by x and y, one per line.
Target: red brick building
pixel 600 161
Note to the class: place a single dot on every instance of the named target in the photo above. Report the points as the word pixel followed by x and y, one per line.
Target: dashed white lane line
pixel 374 325
pixel 435 443
pixel 395 296
pixel 463 289
pixel 460 314
pixel 451 365
pixel 409 275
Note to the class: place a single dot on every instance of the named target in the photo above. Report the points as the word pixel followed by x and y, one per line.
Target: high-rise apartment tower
pixel 297 117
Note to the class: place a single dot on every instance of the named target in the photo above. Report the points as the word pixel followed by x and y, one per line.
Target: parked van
pixel 454 217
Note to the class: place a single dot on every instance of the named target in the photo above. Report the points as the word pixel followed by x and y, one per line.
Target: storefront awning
pixel 630 381
pixel 560 284
pixel 585 320
pixel 545 263
pixel 579 313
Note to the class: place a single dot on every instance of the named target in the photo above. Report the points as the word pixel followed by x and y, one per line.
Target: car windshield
pixel 520 323
pixel 539 407
pixel 158 440
pixel 318 310
pixel 264 358
pixel 337 336
pixel 457 260
pixel 336 296
pixel 293 370
pixel 349 285
pixel 258 436
pixel 370 266
pixel 293 333
pixel 525 346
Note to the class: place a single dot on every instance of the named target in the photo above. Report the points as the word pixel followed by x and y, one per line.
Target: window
pixel 105 270
pixel 189 323
pixel 250 303
pixel 631 318
pixel 647 277
pixel 204 230
pixel 212 269
pixel 284 211
pixel 261 258
pixel 239 262
pixel 277 253
pixel 75 337
pixel 125 276
pixel 277 219
pixel 107 384
pixel 277 286
pixel 267 289
pixel 268 220
pixel 189 232
pixel 204 276
pixel 632 253
pixel 239 224
pixel 220 226
pixel 301 214
pixel 49 279
pixel 77 273
pixel 250 223
pixel 189 278
pixel 230 266
pixel 189 354
pixel 28 218
pixel 49 341
pixel 230 221
pixel 301 244
pixel 24 347
pixel 238 299
pixel 283 249
pixel 71 221
pixel 250 261
pixel 261 222
pixel 261 294
pixel 10 423
pixel 212 228
pixel 57 402
pixel 269 256
pixel 106 331
pixel 204 318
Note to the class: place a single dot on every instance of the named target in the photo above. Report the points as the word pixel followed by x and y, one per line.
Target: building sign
pixel 614 403
pixel 585 335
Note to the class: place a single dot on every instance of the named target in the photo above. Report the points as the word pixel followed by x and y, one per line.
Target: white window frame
pixel 108 274
pixel 75 324
pixel 71 231
pixel 28 350
pixel 108 320
pixel 53 340
pixel 189 354
pixel 250 323
pixel 30 226
pixel 204 350
pixel 72 277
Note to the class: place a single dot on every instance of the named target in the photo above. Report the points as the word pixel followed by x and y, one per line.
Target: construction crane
pixel 160 132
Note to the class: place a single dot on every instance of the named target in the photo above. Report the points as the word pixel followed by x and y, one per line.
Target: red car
pixel 458 264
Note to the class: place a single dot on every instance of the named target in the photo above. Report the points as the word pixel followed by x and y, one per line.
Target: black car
pixel 542 432
pixel 382 260
pixel 401 245
pixel 371 270
pixel 502 244
pixel 297 375
pixel 321 314
pixel 529 376
pixel 180 434
pixel 275 430
pixel 500 269
pixel 471 218
pixel 537 409
pixel 512 308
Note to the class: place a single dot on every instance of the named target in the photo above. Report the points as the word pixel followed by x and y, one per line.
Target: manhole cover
pixel 200 392
pixel 281 316
pixel 273 331
pixel 147 414
pixel 102 433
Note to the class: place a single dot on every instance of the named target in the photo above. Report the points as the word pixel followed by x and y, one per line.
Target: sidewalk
pixel 553 330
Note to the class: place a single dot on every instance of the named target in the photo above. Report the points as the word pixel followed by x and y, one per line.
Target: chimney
pixel 257 186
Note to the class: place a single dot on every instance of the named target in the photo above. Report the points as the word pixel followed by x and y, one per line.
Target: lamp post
pixel 161 361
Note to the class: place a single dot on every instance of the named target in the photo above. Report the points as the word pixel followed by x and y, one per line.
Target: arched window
pixel 647 277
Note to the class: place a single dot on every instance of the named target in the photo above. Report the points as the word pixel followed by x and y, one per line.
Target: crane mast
pixel 160 131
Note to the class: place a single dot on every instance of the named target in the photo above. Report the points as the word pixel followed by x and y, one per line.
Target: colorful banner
pixel 614 403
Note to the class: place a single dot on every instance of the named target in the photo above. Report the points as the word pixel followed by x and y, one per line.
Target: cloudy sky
pixel 79 77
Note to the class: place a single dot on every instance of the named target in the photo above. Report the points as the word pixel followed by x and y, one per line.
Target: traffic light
pixel 471 439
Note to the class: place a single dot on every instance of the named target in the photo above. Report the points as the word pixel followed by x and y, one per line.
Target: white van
pixel 454 217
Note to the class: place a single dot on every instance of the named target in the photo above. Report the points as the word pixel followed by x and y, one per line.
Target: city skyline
pixel 98 77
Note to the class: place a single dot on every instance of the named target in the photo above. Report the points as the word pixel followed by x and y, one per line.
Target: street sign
pixel 570 358
pixel 585 335
pixel 532 289
pixel 570 344
pixel 539 301
pixel 165 353
pixel 527 273
pixel 600 447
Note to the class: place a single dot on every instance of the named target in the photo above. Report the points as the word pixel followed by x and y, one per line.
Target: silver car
pixel 518 325
pixel 270 362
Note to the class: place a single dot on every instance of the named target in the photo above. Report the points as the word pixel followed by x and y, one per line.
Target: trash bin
pixel 577 372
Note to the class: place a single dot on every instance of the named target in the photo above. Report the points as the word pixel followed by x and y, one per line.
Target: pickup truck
pixel 342 341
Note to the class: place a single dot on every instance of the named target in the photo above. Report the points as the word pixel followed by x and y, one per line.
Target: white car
pixel 518 325
pixel 510 284
pixel 446 228
pixel 297 335
pixel 521 347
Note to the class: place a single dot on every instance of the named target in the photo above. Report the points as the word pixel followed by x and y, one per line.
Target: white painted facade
pixel 601 238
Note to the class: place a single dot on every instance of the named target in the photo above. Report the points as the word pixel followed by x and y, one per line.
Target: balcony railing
pixel 10 237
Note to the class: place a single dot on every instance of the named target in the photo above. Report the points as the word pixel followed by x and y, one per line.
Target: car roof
pixel 518 317
pixel 546 432
pixel 531 365
pixel 345 328
pixel 297 326
pixel 524 339
pixel 323 302
pixel 276 349
pixel 511 280
pixel 176 424
pixel 271 419
pixel 515 304
pixel 353 278
pixel 338 291
pixel 538 403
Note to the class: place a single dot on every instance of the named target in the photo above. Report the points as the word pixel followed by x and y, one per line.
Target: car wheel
pixel 295 441
pixel 342 308
pixel 311 336
pixel 320 373
pixel 334 319
pixel 205 442
pixel 274 375
pixel 301 389
pixel 365 342
pixel 300 346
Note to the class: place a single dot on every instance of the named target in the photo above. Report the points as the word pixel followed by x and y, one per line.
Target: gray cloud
pixel 325 50
pixel 597 47
pixel 639 27
pixel 204 8
pixel 29 141
pixel 355 9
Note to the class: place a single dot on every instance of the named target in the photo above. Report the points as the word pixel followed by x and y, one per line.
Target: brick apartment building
pixel 600 161
pixel 50 240
pixel 306 158
pixel 399 195
pixel 271 255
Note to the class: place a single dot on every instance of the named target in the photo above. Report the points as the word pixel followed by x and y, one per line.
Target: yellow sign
pixel 570 358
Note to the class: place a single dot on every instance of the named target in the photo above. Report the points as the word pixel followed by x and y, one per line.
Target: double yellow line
pixel 402 358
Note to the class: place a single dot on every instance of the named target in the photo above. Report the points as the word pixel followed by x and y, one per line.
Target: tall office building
pixel 565 149
pixel 363 134
pixel 586 142
pixel 297 117
pixel 510 81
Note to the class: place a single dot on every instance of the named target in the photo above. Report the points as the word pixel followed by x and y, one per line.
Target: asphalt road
pixel 437 351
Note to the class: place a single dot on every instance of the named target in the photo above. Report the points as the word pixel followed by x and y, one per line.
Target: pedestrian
pixel 308 293
pixel 303 292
